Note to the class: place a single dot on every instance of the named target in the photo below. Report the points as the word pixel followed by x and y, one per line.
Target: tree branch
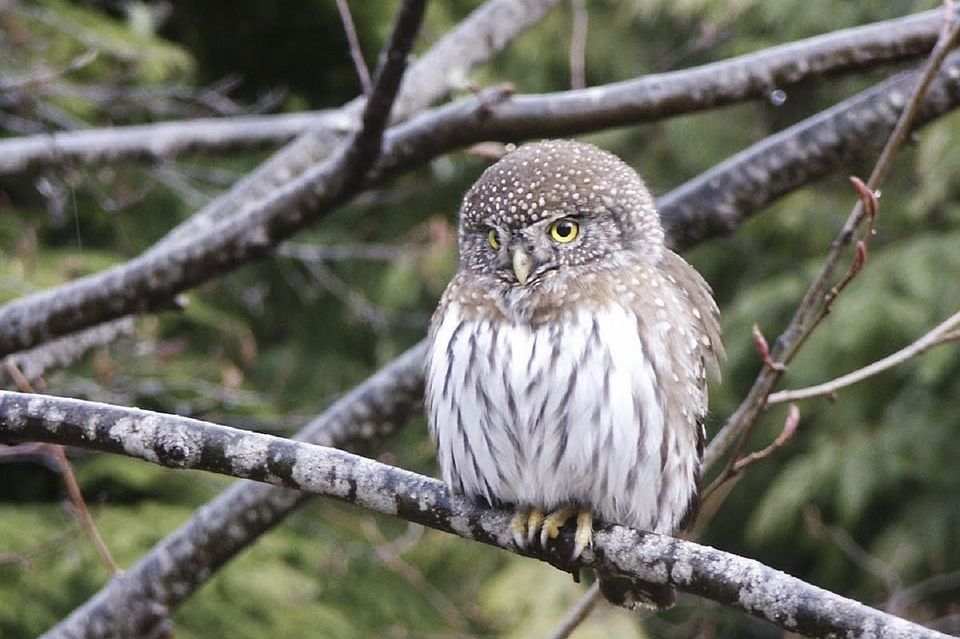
pixel 180 442
pixel 943 333
pixel 137 602
pixel 444 67
pixel 63 351
pixel 747 76
pixel 816 300
pixel 151 280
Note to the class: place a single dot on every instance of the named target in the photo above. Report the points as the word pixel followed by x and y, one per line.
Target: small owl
pixel 567 372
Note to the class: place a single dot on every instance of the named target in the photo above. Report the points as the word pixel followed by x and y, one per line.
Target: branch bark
pixel 180 442
pixel 442 68
pixel 743 77
pixel 752 178
pixel 137 602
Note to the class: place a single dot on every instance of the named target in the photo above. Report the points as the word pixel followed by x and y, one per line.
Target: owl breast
pixel 573 412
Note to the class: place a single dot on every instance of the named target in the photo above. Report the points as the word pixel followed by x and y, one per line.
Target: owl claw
pixel 534 523
pixel 518 527
pixel 553 523
pixel 583 537
pixel 527 522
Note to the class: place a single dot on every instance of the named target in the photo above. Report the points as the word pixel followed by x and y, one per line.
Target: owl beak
pixel 522 264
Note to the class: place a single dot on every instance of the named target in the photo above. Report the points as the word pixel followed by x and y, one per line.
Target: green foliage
pixel 271 345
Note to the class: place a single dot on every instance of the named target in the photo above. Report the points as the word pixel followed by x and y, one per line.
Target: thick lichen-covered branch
pixel 744 76
pixel 136 603
pixel 180 442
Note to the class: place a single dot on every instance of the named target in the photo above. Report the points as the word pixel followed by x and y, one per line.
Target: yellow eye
pixel 564 230
pixel 492 240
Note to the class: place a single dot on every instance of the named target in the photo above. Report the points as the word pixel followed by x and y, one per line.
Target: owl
pixel 566 376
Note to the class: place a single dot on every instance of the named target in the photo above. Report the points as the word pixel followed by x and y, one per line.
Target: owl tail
pixel 632 593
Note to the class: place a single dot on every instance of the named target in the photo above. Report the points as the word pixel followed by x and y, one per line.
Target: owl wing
pixel 703 310
pixel 694 348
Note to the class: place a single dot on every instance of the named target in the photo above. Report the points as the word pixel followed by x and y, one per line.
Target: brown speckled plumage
pixel 571 373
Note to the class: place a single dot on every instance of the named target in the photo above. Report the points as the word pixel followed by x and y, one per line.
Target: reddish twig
pixel 73 488
pixel 735 469
pixel 763 349
pixel 807 316
pixel 789 428
pixel 870 204
pixel 81 511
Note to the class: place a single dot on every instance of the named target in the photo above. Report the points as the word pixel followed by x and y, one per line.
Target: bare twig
pixel 853 551
pixel 712 492
pixel 943 333
pixel 808 313
pixel 580 611
pixel 356 53
pixel 179 442
pixel 389 556
pixel 905 597
pixel 81 510
pixel 789 428
pixel 47 76
pixel 73 488
pixel 578 44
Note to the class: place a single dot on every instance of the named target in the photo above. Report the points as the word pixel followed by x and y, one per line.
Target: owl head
pixel 553 209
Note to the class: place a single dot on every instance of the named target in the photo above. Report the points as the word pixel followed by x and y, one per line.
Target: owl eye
pixel 492 240
pixel 564 230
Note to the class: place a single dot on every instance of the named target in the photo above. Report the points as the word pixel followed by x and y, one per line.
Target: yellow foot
pixel 550 529
pixel 525 524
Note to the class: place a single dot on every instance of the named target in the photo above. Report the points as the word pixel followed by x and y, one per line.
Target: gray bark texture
pixel 152 280
pixel 845 50
pixel 180 442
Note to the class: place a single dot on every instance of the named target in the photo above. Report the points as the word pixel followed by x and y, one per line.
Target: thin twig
pixel 355 51
pixel 393 560
pixel 81 510
pixel 790 425
pixel 580 611
pixel 853 551
pixel 943 333
pixel 46 76
pixel 919 591
pixel 578 44
pixel 73 487
pixel 807 315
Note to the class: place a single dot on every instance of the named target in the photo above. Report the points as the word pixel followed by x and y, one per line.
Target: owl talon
pixel 553 523
pixel 583 538
pixel 535 521
pixel 518 527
